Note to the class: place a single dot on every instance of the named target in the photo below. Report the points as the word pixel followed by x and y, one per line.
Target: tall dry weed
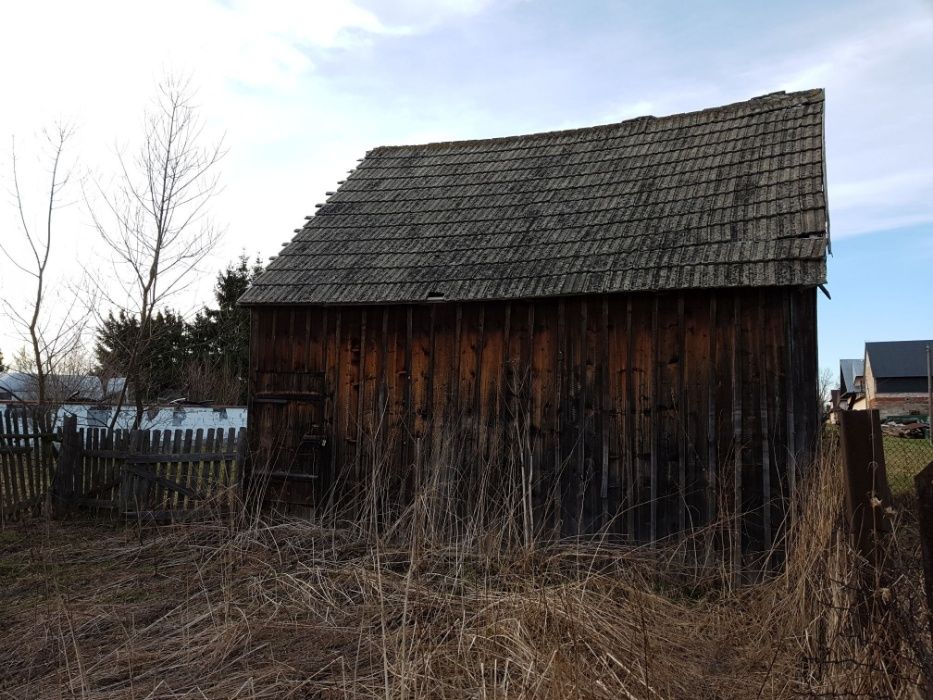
pixel 441 602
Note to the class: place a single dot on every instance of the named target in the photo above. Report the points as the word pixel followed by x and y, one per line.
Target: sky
pixel 298 91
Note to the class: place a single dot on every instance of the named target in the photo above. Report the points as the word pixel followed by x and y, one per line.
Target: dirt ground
pixel 95 609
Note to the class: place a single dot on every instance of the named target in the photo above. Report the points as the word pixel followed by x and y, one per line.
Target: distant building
pixel 895 378
pixel 851 384
pixel 161 417
pixel 24 387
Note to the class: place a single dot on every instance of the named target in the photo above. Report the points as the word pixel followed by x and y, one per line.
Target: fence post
pixel 242 451
pixel 867 491
pixel 929 395
pixel 127 500
pixel 923 482
pixel 67 476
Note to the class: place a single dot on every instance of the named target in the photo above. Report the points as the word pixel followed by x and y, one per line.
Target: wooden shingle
pixel 725 197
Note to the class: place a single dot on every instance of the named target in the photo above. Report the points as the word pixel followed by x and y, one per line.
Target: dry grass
pixel 300 609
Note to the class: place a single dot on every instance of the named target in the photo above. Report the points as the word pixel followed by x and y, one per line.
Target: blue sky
pixel 300 90
pixel 882 289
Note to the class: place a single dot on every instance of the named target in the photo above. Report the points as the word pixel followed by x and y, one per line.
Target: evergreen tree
pixel 219 337
pixel 204 360
pixel 2 363
pixel 160 371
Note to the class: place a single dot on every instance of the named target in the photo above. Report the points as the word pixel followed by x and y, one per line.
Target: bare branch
pixel 52 338
pixel 152 220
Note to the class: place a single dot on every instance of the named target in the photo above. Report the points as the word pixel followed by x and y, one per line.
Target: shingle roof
pixel 724 197
pixel 898 358
pixel 848 371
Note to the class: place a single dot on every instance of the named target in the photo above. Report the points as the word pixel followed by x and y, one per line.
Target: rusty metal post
pixel 929 396
pixel 923 482
pixel 867 491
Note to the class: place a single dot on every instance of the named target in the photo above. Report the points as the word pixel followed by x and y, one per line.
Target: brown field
pixel 305 609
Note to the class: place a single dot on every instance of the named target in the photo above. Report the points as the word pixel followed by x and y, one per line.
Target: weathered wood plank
pixel 410 482
pixel 581 513
pixel 737 437
pixel 20 492
pixel 712 447
pixel 360 401
pixel 791 435
pixel 157 481
pixel 765 353
pixel 333 423
pixel 654 408
pixel 632 470
pixel 619 409
pixel 680 415
pixel 543 412
pixel 604 410
pixel 165 457
pixel 36 468
pixel 560 417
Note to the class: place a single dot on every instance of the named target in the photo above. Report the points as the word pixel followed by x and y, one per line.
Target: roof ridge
pixel 891 342
pixel 813 94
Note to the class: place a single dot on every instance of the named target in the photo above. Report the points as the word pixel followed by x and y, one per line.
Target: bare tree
pixel 827 382
pixel 51 337
pixel 155 221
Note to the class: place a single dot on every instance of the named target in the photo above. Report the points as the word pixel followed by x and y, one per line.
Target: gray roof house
pixel 851 372
pixel 898 366
pixel 22 386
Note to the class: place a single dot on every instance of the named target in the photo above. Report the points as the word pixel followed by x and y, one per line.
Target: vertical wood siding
pixel 641 414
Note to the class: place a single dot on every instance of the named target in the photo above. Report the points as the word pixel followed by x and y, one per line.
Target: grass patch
pixel 904 458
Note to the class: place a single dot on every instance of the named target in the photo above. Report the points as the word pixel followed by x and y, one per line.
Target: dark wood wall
pixel 644 414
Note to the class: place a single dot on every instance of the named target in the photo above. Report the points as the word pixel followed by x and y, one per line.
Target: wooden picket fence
pixel 162 475
pixel 27 464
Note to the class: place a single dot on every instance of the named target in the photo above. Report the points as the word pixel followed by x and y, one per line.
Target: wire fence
pixel 904 458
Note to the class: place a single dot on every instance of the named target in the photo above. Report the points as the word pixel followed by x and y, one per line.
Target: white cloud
pixel 878 75
pixel 254 65
pixel 273 76
pixel 423 15
pixel 95 65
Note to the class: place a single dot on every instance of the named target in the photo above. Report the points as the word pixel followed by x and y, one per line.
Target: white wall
pixel 158 418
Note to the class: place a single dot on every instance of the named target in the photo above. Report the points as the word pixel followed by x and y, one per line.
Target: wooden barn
pixel 620 319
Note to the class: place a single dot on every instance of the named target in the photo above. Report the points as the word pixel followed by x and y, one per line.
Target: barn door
pixel 293 439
